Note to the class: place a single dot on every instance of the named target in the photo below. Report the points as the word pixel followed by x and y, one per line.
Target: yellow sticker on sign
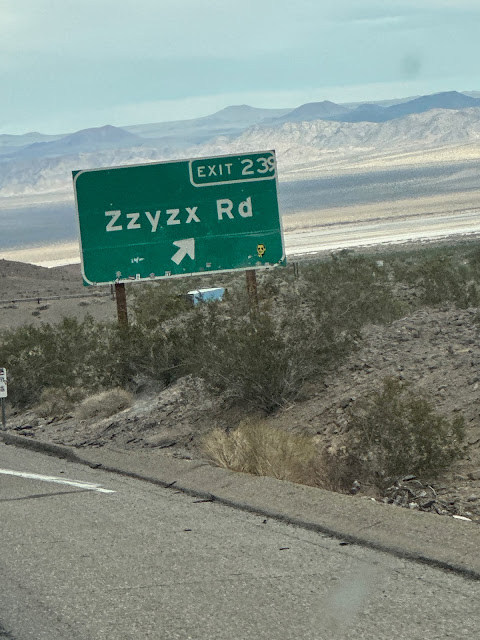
pixel 261 248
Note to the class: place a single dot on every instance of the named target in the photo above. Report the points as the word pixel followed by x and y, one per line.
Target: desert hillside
pixel 332 333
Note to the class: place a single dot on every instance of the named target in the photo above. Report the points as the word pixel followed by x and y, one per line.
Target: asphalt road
pixel 120 558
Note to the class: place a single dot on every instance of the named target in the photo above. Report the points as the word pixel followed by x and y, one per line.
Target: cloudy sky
pixel 71 64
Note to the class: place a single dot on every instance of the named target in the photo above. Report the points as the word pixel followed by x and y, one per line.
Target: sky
pixel 67 65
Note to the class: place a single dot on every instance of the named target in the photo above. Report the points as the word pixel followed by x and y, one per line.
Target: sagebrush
pixel 396 431
pixel 308 320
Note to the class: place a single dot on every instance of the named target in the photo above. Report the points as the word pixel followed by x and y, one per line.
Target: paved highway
pixel 92 555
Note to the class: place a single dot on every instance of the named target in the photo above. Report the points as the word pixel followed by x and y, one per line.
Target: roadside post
pixel 121 298
pixel 177 219
pixel 3 395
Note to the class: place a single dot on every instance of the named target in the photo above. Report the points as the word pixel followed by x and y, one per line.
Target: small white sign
pixel 3 383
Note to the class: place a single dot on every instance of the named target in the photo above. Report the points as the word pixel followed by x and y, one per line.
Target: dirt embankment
pixel 437 350
pixel 26 293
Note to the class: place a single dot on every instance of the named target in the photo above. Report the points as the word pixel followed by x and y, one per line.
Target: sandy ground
pixel 46 256
pixel 20 282
pixel 370 159
pixel 447 204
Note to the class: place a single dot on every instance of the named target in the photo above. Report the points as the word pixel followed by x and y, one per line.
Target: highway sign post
pixel 172 219
pixel 3 394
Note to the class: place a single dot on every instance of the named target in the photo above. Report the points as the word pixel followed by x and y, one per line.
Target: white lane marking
pixel 73 483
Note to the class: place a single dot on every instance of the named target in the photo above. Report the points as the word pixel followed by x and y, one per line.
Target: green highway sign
pixel 169 219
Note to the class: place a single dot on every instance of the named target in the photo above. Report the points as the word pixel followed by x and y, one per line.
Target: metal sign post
pixel 3 395
pixel 171 219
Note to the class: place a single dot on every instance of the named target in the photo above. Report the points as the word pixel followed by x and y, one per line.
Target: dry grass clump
pixel 58 403
pixel 263 450
pixel 104 404
pixel 394 432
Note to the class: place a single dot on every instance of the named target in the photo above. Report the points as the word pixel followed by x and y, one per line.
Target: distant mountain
pixel 168 138
pixel 298 144
pixel 444 100
pixel 370 112
pixel 380 103
pixel 364 113
pixel 106 135
pixel 229 121
pixel 86 140
pixel 314 111
pixel 301 136
pixel 242 114
pixel 10 143
pixel 172 139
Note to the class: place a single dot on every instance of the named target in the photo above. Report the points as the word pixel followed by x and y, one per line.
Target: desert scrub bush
pixel 154 303
pixel 85 354
pixel 351 291
pixel 264 359
pixel 258 448
pixel 258 360
pixel 396 431
pixel 304 327
pixel 142 352
pixel 59 402
pixel 71 353
pixel 441 275
pixel 104 404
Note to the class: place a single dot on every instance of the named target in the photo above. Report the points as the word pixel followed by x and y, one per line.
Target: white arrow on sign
pixel 185 247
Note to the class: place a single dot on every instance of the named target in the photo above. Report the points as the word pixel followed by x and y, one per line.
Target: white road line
pixel 73 483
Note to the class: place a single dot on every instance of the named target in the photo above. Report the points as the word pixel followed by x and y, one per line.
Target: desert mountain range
pixel 36 164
